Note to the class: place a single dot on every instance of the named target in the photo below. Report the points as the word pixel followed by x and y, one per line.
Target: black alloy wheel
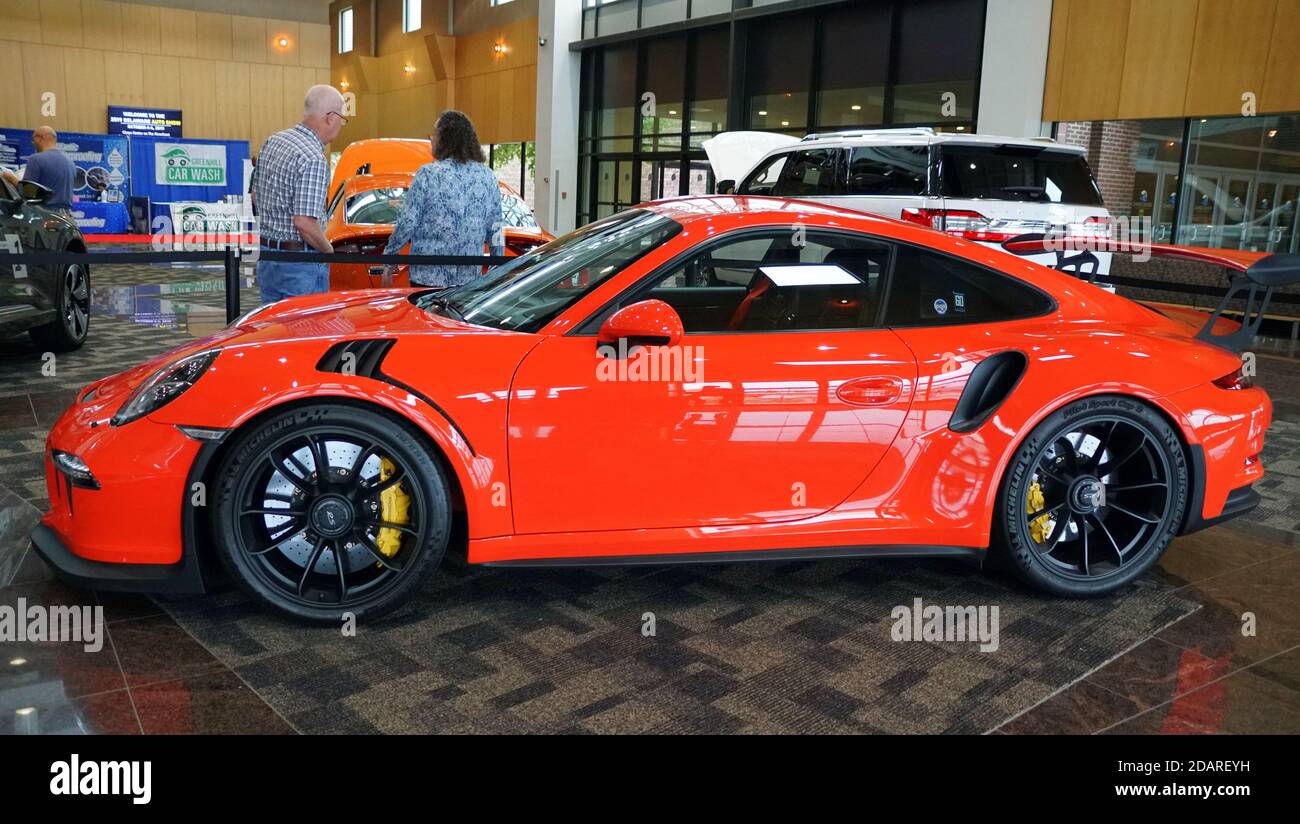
pixel 1093 496
pixel 341 512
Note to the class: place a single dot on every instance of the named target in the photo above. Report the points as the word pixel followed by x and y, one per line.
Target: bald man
pixel 51 168
pixel 289 190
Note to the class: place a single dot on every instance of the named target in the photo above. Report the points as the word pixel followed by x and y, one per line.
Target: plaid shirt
pixel 291 179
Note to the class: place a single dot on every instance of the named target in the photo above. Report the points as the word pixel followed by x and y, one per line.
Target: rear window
pixel 1023 173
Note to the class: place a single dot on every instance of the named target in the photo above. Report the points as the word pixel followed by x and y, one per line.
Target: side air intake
pixel 356 357
pixel 991 383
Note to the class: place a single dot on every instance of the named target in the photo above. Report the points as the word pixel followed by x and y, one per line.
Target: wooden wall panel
pixel 14 111
pixel 162 84
pixel 141 30
pixel 87 95
pixel 178 29
pixel 1091 81
pixel 314 45
pixel 1157 58
pixel 198 95
pixel 215 40
pixel 1281 91
pixel 21 22
pixel 266 102
pixel 61 22
pixel 101 24
pixel 249 35
pixel 124 78
pixel 43 71
pixel 297 80
pixel 1229 56
pixel 233 93
pixel 1180 58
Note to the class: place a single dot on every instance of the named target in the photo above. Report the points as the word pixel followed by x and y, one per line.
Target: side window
pixel 888 170
pixel 811 173
pixel 930 289
pixel 777 281
pixel 334 201
pixel 763 180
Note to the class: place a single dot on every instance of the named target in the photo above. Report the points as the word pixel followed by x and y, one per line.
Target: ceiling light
pixel 762 114
pixel 17 662
pixel 282 42
pixel 855 107
pixel 1272 132
pixel 785 122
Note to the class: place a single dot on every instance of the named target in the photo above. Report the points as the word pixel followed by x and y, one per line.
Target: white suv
pixel 979 187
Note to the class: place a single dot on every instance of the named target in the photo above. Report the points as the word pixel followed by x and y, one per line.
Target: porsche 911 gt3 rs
pixel 858 386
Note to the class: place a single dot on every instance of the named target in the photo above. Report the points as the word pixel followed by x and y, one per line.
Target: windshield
pixel 532 290
pixel 381 206
pixel 1025 173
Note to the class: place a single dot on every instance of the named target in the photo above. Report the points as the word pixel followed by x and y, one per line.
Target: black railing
pixel 231 258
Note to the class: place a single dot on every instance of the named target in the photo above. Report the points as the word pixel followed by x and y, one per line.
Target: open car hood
pixel 733 154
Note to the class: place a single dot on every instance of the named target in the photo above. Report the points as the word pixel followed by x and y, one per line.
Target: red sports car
pixel 691 380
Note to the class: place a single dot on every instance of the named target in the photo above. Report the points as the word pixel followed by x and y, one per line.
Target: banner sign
pixel 209 218
pixel 189 164
pixel 101 161
pixel 144 122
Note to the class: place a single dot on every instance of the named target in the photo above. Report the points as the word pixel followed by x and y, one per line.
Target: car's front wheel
pixel 331 509
pixel 72 302
pixel 1092 497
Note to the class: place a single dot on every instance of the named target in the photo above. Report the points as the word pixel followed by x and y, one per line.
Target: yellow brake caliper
pixel 395 507
pixel 1035 501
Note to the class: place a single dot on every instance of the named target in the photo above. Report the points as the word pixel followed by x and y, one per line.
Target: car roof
pixel 691 208
pixel 923 136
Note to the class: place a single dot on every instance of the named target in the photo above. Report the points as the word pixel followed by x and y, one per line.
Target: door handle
pixel 871 391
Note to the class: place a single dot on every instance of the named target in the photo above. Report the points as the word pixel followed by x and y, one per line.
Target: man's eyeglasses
pixel 341 118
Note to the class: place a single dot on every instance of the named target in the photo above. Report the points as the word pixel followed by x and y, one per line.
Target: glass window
pixel 1155 157
pixel 780 73
pixel 763 180
pixel 374 206
pixel 1027 173
pixel 615 111
pixel 665 79
pixel 854 66
pixel 411 15
pixel 888 170
pixel 811 173
pixel 533 289
pixel 345 30
pixel 708 84
pixel 771 282
pixel 938 47
pixel 1241 181
pixel 516 214
pixel 930 289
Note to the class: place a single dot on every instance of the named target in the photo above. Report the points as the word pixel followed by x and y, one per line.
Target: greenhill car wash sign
pixel 189 164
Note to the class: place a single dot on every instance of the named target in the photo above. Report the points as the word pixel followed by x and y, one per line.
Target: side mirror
pixel 726 187
pixel 645 323
pixel 34 192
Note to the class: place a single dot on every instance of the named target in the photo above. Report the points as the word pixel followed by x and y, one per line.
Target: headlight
pixel 164 386
pixel 244 318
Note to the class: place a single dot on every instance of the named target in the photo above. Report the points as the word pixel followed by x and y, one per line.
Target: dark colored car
pixel 49 302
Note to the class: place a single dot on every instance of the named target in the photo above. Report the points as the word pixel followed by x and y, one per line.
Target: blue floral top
pixel 452 208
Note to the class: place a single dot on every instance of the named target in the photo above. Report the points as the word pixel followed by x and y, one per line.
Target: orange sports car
pixel 366 192
pixel 703 379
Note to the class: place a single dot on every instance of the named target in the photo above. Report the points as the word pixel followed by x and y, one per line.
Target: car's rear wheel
pixel 1093 497
pixel 331 509
pixel 72 301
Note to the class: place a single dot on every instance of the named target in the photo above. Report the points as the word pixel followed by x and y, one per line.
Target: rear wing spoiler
pixel 1255 276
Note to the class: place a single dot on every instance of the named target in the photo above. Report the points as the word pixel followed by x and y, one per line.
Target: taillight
pixel 1235 380
pixel 962 223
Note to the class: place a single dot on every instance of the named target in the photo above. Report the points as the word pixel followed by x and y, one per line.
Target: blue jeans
pixel 277 279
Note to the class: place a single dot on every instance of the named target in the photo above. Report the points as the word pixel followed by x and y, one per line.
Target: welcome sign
pixel 189 164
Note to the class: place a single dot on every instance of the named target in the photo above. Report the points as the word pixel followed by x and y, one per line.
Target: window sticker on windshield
pixel 959 301
pixel 940 306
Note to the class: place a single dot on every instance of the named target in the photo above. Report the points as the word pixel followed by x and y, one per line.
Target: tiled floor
pixel 784 647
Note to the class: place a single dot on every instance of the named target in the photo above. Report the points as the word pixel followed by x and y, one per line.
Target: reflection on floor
pixel 764 647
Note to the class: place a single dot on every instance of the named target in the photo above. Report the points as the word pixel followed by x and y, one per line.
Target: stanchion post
pixel 232 284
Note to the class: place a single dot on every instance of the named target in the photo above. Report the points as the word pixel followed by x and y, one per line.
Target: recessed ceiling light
pixel 855 107
pixel 785 122
pixel 762 114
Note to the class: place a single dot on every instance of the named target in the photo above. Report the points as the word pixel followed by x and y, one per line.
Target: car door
pixel 782 397
pixel 23 289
